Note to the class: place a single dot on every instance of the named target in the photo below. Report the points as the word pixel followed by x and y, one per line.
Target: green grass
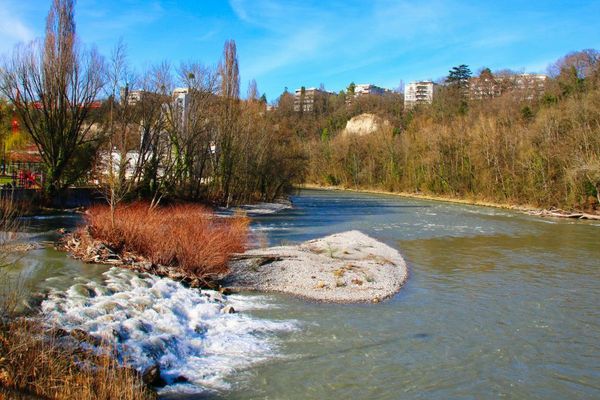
pixel 5 179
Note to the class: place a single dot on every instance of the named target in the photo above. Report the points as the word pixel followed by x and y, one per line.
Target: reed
pixel 188 236
pixel 38 363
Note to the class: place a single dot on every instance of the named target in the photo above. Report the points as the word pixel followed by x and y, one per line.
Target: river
pixel 498 304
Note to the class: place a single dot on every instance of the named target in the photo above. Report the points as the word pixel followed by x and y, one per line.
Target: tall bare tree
pixel 230 94
pixel 121 130
pixel 53 85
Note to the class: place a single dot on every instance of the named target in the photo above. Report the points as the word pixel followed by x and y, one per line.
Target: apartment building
pixel 306 98
pixel 368 88
pixel 419 93
pixel 132 96
pixel 528 86
pixel 525 86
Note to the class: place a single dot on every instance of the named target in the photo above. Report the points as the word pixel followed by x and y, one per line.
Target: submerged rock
pixel 151 376
pixel 228 310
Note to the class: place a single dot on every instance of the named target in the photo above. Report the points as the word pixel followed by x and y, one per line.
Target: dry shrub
pixel 34 362
pixel 189 236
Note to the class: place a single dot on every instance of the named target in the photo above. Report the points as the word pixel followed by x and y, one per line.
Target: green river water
pixel 498 304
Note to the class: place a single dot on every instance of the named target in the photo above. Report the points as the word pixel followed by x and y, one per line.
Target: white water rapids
pixel 156 320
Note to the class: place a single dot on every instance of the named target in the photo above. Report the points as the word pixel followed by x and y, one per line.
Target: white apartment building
pixel 181 98
pixel 131 96
pixel 524 86
pixel 369 88
pixel 418 93
pixel 530 85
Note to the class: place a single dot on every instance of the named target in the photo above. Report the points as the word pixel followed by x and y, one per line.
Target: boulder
pixel 228 310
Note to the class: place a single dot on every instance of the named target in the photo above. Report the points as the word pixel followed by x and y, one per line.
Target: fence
pixel 16 174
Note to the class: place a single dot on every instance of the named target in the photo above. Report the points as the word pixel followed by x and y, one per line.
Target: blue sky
pixel 294 43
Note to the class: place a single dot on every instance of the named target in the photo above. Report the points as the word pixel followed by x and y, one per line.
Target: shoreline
pixel 346 267
pixel 526 209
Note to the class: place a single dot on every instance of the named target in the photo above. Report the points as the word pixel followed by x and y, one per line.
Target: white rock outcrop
pixel 364 124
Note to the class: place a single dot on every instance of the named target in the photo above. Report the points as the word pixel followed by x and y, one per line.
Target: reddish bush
pixel 189 236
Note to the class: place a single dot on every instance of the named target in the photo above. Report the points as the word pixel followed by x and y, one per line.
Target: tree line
pixel 534 143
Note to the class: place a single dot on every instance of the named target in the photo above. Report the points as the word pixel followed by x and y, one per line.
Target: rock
pixel 200 329
pixel 181 379
pixel 195 283
pixel 228 310
pixel 175 275
pixel 145 265
pixel 151 376
pixel 225 291
pixel 320 285
pixel 162 270
pixel 216 297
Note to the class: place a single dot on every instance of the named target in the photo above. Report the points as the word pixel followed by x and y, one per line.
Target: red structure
pixel 15 125
pixel 29 180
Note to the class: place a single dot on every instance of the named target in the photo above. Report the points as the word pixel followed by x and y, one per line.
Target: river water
pixel 498 304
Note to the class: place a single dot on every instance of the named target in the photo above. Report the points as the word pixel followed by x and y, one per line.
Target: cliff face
pixel 364 124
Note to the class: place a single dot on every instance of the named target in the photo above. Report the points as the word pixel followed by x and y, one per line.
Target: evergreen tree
pixel 351 88
pixel 459 76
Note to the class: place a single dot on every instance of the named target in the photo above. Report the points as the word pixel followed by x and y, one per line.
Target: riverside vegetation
pixel 542 151
pixel 186 242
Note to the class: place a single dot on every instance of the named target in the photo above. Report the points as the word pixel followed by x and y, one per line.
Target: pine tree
pixel 459 76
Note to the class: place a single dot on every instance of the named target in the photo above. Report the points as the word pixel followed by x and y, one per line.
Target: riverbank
pixel 40 361
pixel 527 209
pixel 348 267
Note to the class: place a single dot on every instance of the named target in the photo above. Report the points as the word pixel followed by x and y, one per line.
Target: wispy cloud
pixel 13 28
pixel 273 15
pixel 338 36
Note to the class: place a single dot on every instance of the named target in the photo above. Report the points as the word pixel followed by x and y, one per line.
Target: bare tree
pixel 120 127
pixel 230 93
pixel 53 86
pixel 583 62
pixel 198 134
pixel 252 94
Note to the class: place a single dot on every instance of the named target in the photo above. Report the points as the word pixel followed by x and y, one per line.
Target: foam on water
pixel 156 320
pixel 266 208
pixel 256 209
